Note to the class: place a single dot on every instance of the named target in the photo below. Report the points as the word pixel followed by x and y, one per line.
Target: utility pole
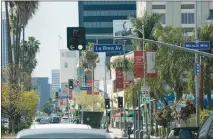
pixel 196 76
pixel 125 79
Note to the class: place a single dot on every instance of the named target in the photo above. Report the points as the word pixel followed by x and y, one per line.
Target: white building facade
pixel 68 61
pixel 177 13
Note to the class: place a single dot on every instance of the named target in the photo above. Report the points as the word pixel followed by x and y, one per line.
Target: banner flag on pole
pixel 138 64
pixel 151 65
pixel 119 78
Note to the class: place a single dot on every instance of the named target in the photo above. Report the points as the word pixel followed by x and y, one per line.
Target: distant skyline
pixel 49 22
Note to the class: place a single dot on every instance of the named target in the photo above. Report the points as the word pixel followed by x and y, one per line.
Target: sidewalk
pixel 115 132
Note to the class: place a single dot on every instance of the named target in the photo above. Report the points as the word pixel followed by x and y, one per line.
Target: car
pixel 206 130
pixel 61 126
pixel 174 133
pixel 62 133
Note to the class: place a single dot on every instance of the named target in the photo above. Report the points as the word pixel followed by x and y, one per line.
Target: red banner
pixel 89 92
pixel 61 102
pixel 70 94
pixel 138 64
pixel 119 78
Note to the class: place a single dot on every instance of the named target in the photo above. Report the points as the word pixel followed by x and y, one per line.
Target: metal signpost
pixel 145 100
pixel 203 45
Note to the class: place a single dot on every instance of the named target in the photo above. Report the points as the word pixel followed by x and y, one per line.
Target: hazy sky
pixel 48 23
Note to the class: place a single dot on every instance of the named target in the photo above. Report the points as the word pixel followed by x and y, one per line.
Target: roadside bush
pixel 4 130
pixel 204 114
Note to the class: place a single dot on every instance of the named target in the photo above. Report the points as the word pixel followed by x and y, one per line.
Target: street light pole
pixel 196 76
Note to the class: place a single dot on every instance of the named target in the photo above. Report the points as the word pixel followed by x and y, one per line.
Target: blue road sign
pixel 197 69
pixel 86 88
pixel 197 45
pixel 108 48
pixel 63 97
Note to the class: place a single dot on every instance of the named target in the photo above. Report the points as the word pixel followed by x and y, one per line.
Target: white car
pixel 62 126
pixel 62 133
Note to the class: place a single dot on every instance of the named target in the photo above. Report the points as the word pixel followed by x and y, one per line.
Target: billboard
pixel 122 28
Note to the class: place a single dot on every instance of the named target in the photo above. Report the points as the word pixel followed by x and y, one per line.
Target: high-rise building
pixel 43 90
pixel 178 13
pixel 55 80
pixel 4 40
pixel 97 17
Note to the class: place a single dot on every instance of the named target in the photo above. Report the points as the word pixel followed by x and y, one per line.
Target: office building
pixel 178 13
pixel 55 73
pixel 4 41
pixel 97 17
pixel 43 90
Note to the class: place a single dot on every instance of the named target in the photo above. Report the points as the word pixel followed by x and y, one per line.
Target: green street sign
pixel 145 100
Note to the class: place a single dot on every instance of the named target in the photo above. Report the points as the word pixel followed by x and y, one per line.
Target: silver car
pixel 57 133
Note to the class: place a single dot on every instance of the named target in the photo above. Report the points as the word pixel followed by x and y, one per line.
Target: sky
pixel 50 21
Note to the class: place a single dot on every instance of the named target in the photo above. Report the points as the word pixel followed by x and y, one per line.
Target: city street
pixel 78 68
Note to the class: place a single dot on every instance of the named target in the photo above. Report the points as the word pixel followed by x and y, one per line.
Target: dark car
pixel 204 132
pixel 55 119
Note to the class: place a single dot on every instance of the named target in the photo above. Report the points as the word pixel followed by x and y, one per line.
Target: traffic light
pixel 107 103
pixel 120 102
pixel 76 38
pixel 56 95
pixel 79 107
pixel 71 85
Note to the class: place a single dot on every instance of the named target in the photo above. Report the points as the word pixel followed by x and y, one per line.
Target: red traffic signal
pixel 76 32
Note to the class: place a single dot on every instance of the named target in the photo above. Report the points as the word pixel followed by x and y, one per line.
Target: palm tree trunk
pixel 207 83
pixel 201 87
pixel 9 48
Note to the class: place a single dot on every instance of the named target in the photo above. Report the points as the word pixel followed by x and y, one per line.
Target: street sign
pixel 108 48
pixel 178 108
pixel 86 88
pixel 63 97
pixel 198 45
pixel 145 92
pixel 145 100
pixel 197 69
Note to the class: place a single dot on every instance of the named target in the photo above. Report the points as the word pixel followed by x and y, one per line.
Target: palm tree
pixel 89 60
pixel 28 59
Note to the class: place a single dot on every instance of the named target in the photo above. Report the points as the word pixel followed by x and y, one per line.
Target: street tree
pixel 88 61
pixel 172 64
pixel 88 102
pixel 205 33
pixel 149 22
pixel 18 103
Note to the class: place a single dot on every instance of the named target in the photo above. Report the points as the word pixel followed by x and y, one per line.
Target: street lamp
pixel 144 84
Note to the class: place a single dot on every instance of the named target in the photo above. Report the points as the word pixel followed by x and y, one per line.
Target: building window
pixel 187 18
pixel 187 6
pixel 158 6
pixel 65 64
pixel 163 18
